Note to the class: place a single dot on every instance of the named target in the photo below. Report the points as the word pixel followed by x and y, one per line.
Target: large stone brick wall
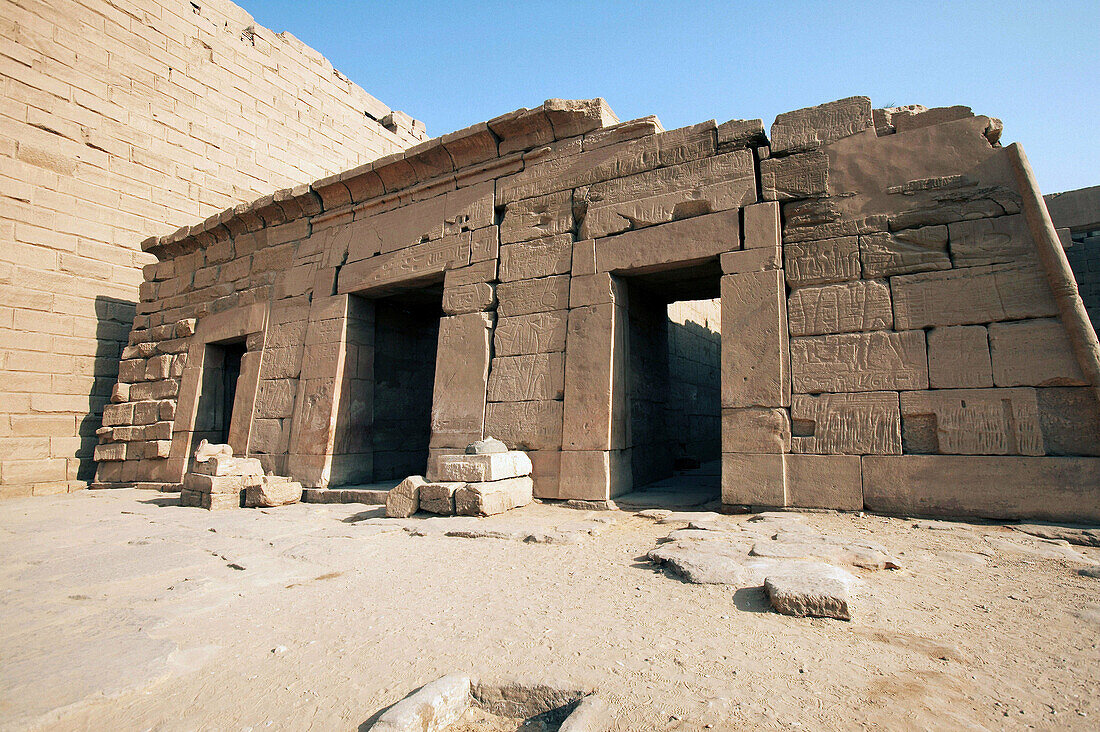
pixel 1077 216
pixel 899 329
pixel 118 121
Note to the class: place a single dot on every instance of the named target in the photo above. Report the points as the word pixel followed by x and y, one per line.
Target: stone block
pixel 754 480
pixel 700 237
pixel 599 289
pixel 385 271
pixel 971 295
pixel 751 260
pixel 215 484
pixel 911 119
pixel 536 258
pixel 487 499
pixel 403 500
pixel 478 468
pixel 856 362
pixel 221 465
pixel 910 250
pixel 472 298
pixel 756 430
pixel 841 308
pixel 1033 353
pixel 110 452
pixel 999 240
pixel 1070 420
pixel 537 218
pixel 822 261
pixel 533 333
pixel 813 126
pixel 530 377
pixel 541 295
pixel 595 411
pixel 434 707
pixel 461 378
pixel 117 415
pixel 795 177
pixel 741 133
pixel 484 244
pixel 846 424
pixel 488 446
pixel 526 425
pixel 958 357
pixel 482 271
pixel 595 475
pixel 972 422
pixel 825 481
pixel 755 365
pixel 546 472
pixel 996 487
pixel 761 225
pixel 275 398
pixel 272 491
pixel 219 501
pixel 439 498
pixel 584 258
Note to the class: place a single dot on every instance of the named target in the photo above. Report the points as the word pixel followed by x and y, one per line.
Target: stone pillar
pixel 461 378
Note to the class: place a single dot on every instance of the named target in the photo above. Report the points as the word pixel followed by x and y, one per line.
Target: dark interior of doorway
pixel 220 370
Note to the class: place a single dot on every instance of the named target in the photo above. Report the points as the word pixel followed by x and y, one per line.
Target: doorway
pixel 221 368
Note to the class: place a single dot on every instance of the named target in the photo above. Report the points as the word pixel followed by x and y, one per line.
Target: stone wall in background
pixel 119 121
pixel 1076 214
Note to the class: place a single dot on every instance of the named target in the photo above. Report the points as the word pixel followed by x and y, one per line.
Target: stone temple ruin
pixel 863 309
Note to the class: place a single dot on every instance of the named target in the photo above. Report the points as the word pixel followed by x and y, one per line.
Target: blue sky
pixel 1035 65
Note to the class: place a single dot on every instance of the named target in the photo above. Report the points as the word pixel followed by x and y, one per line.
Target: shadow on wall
pixel 115 318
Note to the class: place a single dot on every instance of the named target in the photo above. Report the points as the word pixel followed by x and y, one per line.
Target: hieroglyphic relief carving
pixel 533 296
pixel 529 377
pixel 534 333
pixel 971 295
pixel 910 250
pixel 525 425
pixel 841 308
pixel 850 424
pixel 856 362
pixel 980 421
pixel 422 260
pixel 536 258
pixel 822 261
pixel 990 241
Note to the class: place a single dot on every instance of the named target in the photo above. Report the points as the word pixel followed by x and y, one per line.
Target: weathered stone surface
pixel 795 177
pixel 1033 353
pixel 542 295
pixel 975 421
pixel 206 450
pixel 1041 488
pixel 825 481
pixel 472 298
pixel 1079 535
pixel 461 378
pixel 482 468
pixel 909 250
pixel 439 497
pixel 971 295
pixel 227 484
pixel 699 237
pixel 842 308
pixel 958 357
pixel 916 117
pixel 754 479
pixel 822 261
pixel 756 430
pixel 525 425
pixel 1070 420
pixel 755 365
pixel 856 362
pixel 741 133
pixel 849 424
pixel 810 127
pixel 487 499
pixel 595 403
pixel 488 446
pixel 536 258
pixel 415 262
pixel 999 240
pixel 594 475
pixel 751 260
pixel 219 465
pixel 404 499
pixel 521 130
pixel 703 562
pixel 713 184
pixel 433 708
pixel 530 377
pixel 811 589
pixel 272 491
pixel 761 225
pixel 533 333
pixel 591 714
pixel 598 289
pixel 537 218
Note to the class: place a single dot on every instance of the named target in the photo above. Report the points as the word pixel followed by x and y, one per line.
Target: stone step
pixel 369 496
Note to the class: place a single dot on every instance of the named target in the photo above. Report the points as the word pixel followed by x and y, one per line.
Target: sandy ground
pixel 122 610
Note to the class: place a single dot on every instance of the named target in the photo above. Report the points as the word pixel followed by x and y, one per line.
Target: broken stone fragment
pixel 439 497
pixel 479 468
pixel 219 465
pixel 434 707
pixel 404 499
pixel 489 498
pixel 488 446
pixel 810 589
pixel 273 490
pixel 207 450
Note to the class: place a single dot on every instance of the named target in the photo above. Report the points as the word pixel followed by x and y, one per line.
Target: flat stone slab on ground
pixel 812 589
pixel 1080 535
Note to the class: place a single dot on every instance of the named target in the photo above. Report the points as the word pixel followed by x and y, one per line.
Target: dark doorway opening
pixel 221 368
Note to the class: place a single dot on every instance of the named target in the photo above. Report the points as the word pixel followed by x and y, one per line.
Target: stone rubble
pixel 221 481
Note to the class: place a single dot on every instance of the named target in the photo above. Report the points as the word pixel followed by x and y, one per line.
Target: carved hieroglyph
pixel 979 421
pixel 971 295
pixel 991 241
pixel 810 127
pixel 530 377
pixel 536 258
pixel 541 295
pixel 533 333
pixel 852 424
pixel 854 362
pixel 822 261
pixel 909 250
pixel 842 308
pixel 422 260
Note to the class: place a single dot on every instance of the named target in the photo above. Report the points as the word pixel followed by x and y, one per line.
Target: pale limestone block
pixel 756 430
pixel 482 271
pixel 911 119
pixel 109 452
pixel 158 449
pixel 794 177
pixel 573 117
pixel 910 250
pixel 536 258
pixel 487 499
pixel 856 362
pixel 623 132
pixel 1040 488
pixel 754 480
pixel 541 295
pixel 974 421
pixel 958 357
pixel 525 425
pixel 439 498
pixel 472 298
pixel 599 289
pixel 1033 353
pixel 530 377
pixel 701 186
pixel 971 295
pixel 219 501
pixel 230 484
pixel 595 475
pixel 751 260
pixel 846 424
pixel 461 377
pixel 220 465
pixel 761 225
pixel 537 218
pixel 115 415
pixel 403 500
pixel 272 491
pixel 414 262
pixel 596 410
pixel 433 708
pixel 991 241
pixel 479 468
pixel 810 127
pixel 699 237
pixel 825 481
pixel 755 365
pixel 584 258
pixel 533 333
pixel 842 308
pixel 822 261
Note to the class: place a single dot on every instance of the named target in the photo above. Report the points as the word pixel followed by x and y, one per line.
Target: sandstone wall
pixel 122 120
pixel 1077 216
pixel 899 329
